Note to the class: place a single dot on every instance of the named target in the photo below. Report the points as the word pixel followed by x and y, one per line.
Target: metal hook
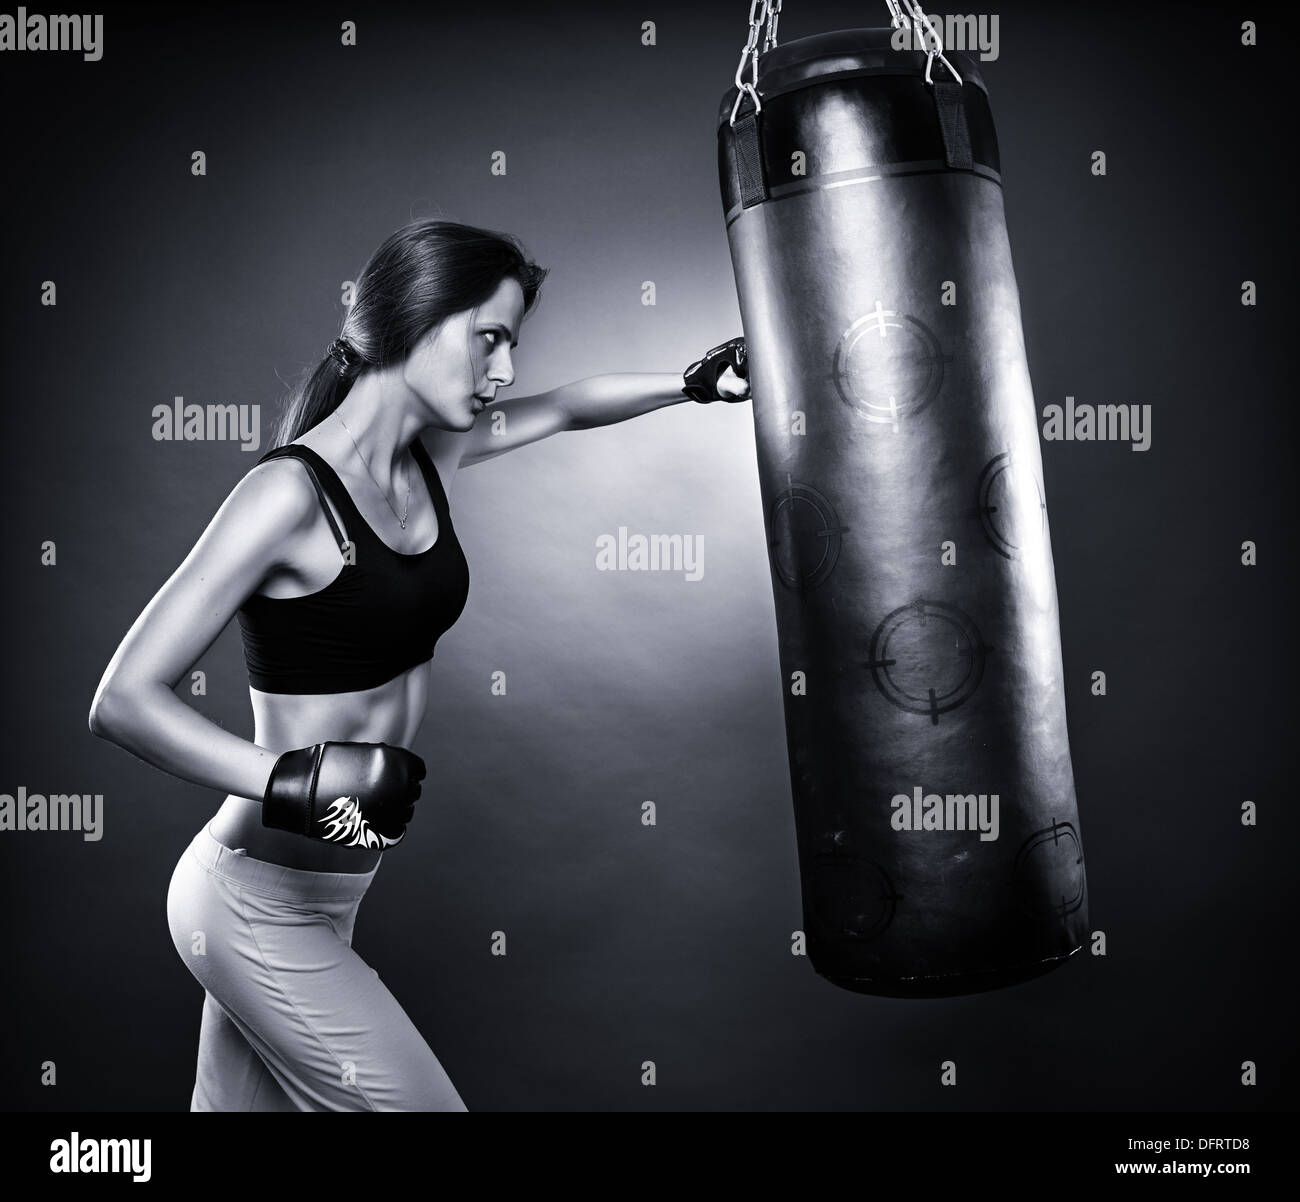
pixel 735 108
pixel 935 47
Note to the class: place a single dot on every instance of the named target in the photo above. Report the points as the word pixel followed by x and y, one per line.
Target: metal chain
pixel 758 17
pixel 765 14
pixel 773 16
pixel 915 16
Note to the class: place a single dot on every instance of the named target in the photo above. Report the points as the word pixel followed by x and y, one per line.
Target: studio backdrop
pixel 607 899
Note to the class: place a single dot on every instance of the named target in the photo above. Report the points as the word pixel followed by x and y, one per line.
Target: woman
pixel 337 552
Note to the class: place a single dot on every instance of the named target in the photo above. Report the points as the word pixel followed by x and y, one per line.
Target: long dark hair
pixel 421 275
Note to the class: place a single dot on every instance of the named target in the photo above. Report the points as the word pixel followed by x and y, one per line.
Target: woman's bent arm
pixel 155 725
pixel 135 706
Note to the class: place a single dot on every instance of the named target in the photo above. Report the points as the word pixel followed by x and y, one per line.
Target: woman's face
pixel 457 367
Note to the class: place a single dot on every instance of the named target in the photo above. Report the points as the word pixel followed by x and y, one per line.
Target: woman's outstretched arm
pixel 135 706
pixel 604 400
pixel 582 405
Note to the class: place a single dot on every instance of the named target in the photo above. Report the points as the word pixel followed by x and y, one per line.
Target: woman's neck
pixel 374 420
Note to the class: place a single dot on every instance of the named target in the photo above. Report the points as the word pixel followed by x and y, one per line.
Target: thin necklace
pixel 401 517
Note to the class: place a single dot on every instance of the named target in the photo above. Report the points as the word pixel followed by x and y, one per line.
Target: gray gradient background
pixel 669 943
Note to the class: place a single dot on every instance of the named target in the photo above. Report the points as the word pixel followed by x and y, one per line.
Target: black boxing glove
pixel 701 378
pixel 351 794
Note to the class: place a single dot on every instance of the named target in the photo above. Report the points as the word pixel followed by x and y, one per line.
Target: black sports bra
pixel 380 616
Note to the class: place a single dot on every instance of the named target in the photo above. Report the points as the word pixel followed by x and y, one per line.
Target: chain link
pixel 773 16
pixel 758 16
pixel 765 14
pixel 915 16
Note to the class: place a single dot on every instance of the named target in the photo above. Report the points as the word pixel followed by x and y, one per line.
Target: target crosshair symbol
pixel 889 366
pixel 927 658
pixel 852 897
pixel 1008 480
pixel 806 534
pixel 1059 841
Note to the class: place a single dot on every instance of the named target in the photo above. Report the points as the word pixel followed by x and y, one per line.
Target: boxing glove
pixel 701 378
pixel 350 794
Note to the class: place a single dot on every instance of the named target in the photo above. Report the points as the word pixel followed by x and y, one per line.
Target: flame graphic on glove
pixel 347 825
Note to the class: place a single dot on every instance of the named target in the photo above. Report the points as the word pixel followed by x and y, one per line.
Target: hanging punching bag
pixel 906 519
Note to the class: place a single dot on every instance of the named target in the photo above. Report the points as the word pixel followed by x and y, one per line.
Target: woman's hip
pixel 218 896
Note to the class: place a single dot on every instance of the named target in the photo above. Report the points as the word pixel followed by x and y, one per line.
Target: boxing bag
pixel 903 499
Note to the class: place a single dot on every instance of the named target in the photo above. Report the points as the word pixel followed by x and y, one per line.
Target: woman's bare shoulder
pixel 275 494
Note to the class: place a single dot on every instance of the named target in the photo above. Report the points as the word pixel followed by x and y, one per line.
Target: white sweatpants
pixel 293 1018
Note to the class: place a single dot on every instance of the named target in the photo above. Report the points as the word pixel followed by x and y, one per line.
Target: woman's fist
pixel 722 375
pixel 351 794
